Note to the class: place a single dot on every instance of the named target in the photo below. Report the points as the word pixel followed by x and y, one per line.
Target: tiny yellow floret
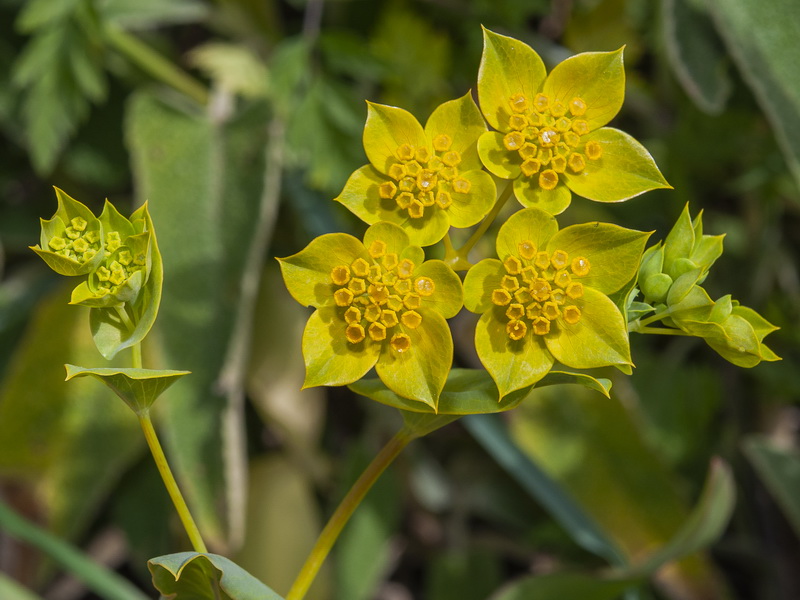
pixel 387 190
pixel 513 140
pixel 389 318
pixel 560 259
pixel 389 261
pixel 405 152
pixel 509 283
pixel 411 319
pixel 416 209
pixel 541 103
pixel 575 290
pixel 443 199
pixel 580 126
pixel 593 150
pixel 360 267
pixel 577 107
pixel 571 314
pixel 412 301
pixel 405 268
pixel 501 297
pixel 397 171
pixel 541 326
pixel 400 342
pixel 548 180
pixel 354 333
pixel 424 286
pixel 343 297
pixel 57 243
pixel 576 162
pixel 442 142
pixel 518 103
pixel 530 167
pixel 516 330
pixel 357 286
pixel 527 249
pixel 352 315
pixel 340 275
pixel 513 265
pixel 377 332
pixel 515 311
pixel 580 266
pixel 542 259
pixel 518 122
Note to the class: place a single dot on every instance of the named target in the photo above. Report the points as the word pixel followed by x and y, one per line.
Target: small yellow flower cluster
pixel 538 288
pixel 77 243
pixel 116 272
pixel 423 180
pixel 547 136
pixel 379 296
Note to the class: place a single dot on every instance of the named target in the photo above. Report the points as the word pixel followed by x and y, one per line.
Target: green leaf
pixel 11 590
pixel 193 576
pixel 696 55
pixel 149 14
pixel 138 388
pixel 502 62
pixel 461 121
pixel 779 469
pixel 564 585
pixel 757 35
pixel 234 68
pixel 624 170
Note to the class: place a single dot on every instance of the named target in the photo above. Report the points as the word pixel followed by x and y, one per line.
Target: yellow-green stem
pixel 170 483
pixel 344 511
pixel 488 220
pixel 136 356
pixel 660 331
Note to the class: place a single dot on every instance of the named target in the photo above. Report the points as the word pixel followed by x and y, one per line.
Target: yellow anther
pixel 530 167
pixel 523 296
pixel 533 311
pixel 426 198
pixel 387 190
pixel 377 332
pixel 73 234
pixel 572 139
pixel 513 265
pixel 580 266
pixel 560 259
pixel 407 184
pixel 372 313
pixel 558 164
pixel 528 150
pixel 452 158
pixel 377 248
pixel 577 107
pixel 558 109
pixel 448 173
pixel 576 162
pixel 518 122
pixel 541 103
pixel 124 256
pixel 540 289
pixel 443 199
pixel 513 140
pixel 548 137
pixel 413 168
pixel 563 125
pixel 102 273
pixel 411 319
pixel 509 283
pixel 394 303
pixel 515 311
pixel 541 326
pixel 412 301
pixel 574 290
pixel 550 310
pixel 422 155
pixel 442 142
pixel 562 279
pixel 352 315
pixel 426 180
pixel 501 297
pixel 397 171
pixel 416 210
pixel 81 245
pixel 389 318
pixel 542 260
pixel 354 333
pixel 548 180
pixel 343 297
pixel 593 150
pixel 360 267
pixel 424 286
pixel 527 249
pixel 404 200
pixel 529 274
pixel 405 152
pixel 357 286
pixel 378 293
pixel 518 103
pixel 57 243
pixel 389 262
pixel 580 126
pixel 400 342
pixel 461 185
pixel 571 314
pixel 516 330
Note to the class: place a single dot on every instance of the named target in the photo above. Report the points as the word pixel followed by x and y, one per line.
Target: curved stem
pixel 661 331
pixel 344 511
pixel 170 483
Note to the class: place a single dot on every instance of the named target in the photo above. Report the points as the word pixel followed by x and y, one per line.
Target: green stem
pixel 124 317
pixel 170 483
pixel 661 331
pixel 344 511
pixel 155 64
pixel 136 357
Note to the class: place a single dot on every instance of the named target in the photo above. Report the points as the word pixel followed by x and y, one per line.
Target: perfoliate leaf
pixel 193 576
pixel 138 388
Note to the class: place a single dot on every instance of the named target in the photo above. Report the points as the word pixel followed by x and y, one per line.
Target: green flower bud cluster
pixel 670 278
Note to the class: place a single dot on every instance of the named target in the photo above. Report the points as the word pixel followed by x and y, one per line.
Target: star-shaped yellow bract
pixel 422 179
pixel 546 298
pixel 379 304
pixel 550 136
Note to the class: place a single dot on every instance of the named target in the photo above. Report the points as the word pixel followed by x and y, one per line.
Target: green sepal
pixel 529 193
pixel 636 310
pixel 461 120
pixel 110 333
pixel 481 279
pixel 194 576
pixel 508 67
pixel 386 129
pixel 652 261
pixel 656 287
pixel 448 298
pixel 138 388
pixel 682 286
pixel 498 160
pixel 531 224
pixel 112 220
pixel 679 242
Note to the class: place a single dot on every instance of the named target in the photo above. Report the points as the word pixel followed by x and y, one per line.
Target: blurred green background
pixel 239 121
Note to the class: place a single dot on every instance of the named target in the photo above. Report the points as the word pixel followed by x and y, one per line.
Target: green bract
pixel 424 180
pixel 546 299
pixel 549 134
pixel 123 264
pixel 378 305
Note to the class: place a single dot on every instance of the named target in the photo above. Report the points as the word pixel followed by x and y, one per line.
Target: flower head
pixel 550 136
pixel 424 180
pixel 379 304
pixel 545 299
